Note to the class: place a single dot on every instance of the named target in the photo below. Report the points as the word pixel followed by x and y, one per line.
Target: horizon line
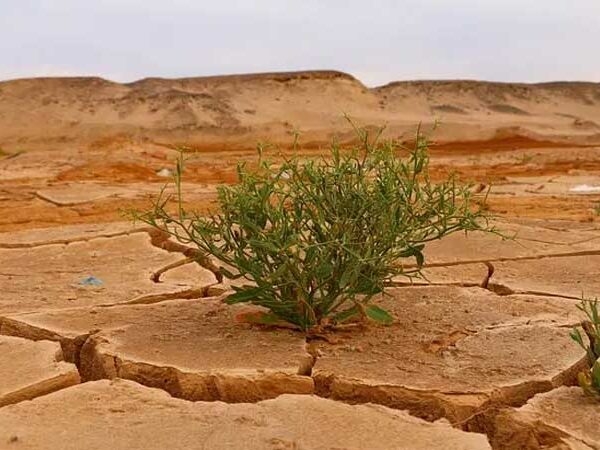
pixel 339 73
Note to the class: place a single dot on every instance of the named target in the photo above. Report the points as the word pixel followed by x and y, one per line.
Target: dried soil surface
pixel 561 419
pixel 193 349
pixel 29 369
pixel 56 276
pixel 479 350
pixel 470 341
pixel 452 352
pixel 133 416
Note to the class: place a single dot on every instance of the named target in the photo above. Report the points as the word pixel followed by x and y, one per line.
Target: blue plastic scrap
pixel 91 281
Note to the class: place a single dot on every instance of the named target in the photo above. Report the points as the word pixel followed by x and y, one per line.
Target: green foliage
pixel 590 382
pixel 316 240
pixel 591 327
pixel 597 209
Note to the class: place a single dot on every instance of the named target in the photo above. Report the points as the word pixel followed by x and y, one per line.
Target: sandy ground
pixel 471 362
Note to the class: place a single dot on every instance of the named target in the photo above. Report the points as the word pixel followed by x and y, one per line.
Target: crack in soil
pixel 484 284
pixel 435 404
pixel 68 241
pixel 228 386
pixel 529 322
pixel 477 410
pixel 496 288
pixel 504 290
pixel 509 259
pixel 94 362
pixel 583 241
pixel 210 290
pixel 55 377
pixel 71 346
pixel 49 200
pixel 161 239
pixel 512 435
pixel 155 277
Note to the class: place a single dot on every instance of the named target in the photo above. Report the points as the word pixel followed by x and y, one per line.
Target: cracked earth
pixel 478 357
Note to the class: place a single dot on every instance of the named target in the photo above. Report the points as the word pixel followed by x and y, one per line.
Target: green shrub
pixel 590 381
pixel 316 240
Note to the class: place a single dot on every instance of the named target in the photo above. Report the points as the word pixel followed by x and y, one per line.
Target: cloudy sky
pixel 377 41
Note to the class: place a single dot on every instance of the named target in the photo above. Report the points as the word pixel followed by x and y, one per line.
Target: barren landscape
pixel 107 342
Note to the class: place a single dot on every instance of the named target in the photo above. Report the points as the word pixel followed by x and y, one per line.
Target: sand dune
pixel 106 144
pixel 233 112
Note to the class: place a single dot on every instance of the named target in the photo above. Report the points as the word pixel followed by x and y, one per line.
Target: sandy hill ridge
pixel 237 110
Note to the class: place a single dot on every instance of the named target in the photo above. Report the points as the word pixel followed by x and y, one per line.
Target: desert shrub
pixel 590 381
pixel 316 240
pixel 591 328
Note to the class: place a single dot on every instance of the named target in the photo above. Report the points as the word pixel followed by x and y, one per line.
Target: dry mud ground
pixel 151 358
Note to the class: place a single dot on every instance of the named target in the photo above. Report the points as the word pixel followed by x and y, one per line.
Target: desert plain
pixel 106 341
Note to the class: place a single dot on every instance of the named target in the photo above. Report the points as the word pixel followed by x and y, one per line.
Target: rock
pixel 122 415
pixel 29 369
pixel 194 349
pixel 564 418
pixel 48 276
pixel 453 353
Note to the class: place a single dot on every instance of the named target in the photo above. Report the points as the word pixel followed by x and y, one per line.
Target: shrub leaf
pixel 379 315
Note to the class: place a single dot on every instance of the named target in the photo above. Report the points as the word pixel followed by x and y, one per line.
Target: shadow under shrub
pixel 316 240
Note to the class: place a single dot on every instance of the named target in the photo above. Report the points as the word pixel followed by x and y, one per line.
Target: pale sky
pixel 377 41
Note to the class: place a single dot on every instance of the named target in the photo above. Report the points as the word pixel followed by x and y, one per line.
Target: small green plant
pixel 597 209
pixel 316 240
pixel 590 381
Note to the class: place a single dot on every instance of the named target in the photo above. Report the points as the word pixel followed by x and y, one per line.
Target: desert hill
pixel 235 111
